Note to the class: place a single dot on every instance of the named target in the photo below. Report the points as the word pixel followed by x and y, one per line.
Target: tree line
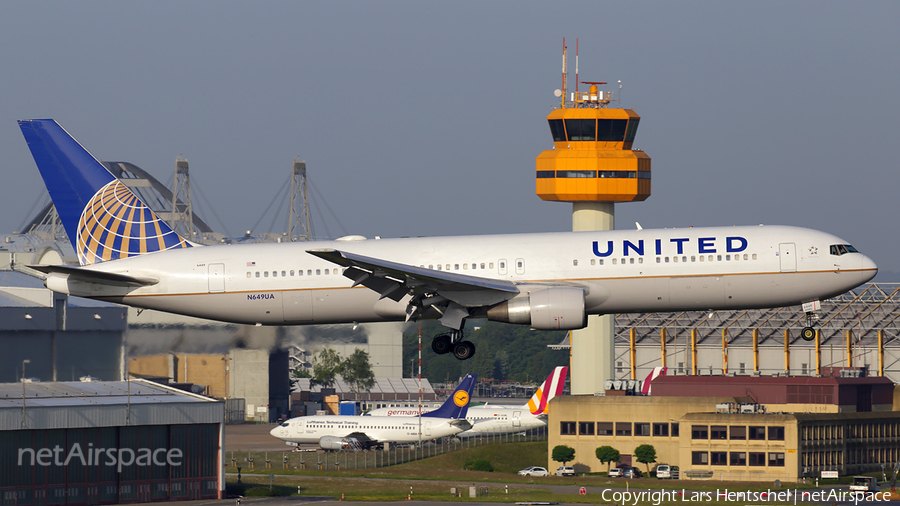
pixel 328 365
pixel 503 352
pixel 645 454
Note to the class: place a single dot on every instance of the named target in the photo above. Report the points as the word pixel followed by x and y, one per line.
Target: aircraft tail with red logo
pixel 550 388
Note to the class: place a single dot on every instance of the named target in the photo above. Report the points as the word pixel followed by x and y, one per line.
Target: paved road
pixel 251 436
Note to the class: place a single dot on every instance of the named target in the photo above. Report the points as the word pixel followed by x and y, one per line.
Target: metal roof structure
pixel 856 329
pixel 101 404
pixel 149 189
pixel 864 311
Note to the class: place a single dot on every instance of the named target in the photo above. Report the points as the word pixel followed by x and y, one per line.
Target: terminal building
pixel 738 428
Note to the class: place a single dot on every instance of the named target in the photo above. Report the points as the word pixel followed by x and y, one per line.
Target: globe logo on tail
pixel 116 224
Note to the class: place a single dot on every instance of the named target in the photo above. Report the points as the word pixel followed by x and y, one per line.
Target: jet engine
pixel 339 443
pixel 332 443
pixel 545 308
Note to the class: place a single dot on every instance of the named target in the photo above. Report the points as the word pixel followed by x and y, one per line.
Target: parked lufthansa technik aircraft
pixel 548 281
pixel 497 419
pixel 337 432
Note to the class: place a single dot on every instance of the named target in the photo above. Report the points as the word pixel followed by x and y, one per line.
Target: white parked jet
pixel 547 281
pixel 498 419
pixel 336 432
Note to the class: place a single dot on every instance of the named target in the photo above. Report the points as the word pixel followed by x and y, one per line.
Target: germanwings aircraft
pixel 495 420
pixel 547 281
pixel 335 432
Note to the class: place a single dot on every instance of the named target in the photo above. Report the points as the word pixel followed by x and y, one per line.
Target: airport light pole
pixel 420 390
pixel 26 361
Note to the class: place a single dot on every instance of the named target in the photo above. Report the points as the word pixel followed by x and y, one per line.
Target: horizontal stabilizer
pixel 92 276
pixel 461 423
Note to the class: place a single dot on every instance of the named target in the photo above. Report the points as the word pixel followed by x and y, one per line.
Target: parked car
pixel 667 472
pixel 534 471
pixel 864 484
pixel 565 471
pixel 632 472
pixel 615 472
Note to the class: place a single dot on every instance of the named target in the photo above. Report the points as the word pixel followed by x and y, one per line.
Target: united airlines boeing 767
pixel 548 280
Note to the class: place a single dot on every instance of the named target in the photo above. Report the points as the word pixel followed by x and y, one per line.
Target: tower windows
pixel 582 129
pixel 557 130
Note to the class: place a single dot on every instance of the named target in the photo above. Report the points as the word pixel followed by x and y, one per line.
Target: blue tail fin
pixel 457 405
pixel 102 217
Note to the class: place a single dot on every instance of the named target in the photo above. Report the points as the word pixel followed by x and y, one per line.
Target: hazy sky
pixel 425 118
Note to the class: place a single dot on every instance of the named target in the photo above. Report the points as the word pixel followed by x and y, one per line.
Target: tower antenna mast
pixel 562 104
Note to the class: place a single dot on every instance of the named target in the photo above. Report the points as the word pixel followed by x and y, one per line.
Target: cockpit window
pixel 285 424
pixel 841 249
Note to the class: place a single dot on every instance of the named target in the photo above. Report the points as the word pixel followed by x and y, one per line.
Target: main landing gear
pixel 445 343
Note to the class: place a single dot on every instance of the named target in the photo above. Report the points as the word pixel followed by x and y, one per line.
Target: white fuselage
pixel 621 271
pixel 382 429
pixel 486 420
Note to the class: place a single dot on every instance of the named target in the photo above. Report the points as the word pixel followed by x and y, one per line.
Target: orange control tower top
pixel 592 159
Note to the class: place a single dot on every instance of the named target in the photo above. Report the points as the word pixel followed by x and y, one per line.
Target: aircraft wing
pixel 93 276
pixel 395 280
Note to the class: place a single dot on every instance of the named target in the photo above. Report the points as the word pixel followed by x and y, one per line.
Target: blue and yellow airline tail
pixel 457 405
pixel 102 217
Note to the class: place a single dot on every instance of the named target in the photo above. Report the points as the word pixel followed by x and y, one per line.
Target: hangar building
pixel 108 442
pixel 62 338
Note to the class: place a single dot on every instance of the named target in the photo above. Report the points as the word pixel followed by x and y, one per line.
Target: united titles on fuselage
pixel 733 244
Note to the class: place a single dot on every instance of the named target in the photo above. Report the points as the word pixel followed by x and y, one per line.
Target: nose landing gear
pixel 809 333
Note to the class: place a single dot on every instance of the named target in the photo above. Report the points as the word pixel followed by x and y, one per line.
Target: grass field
pixel 432 478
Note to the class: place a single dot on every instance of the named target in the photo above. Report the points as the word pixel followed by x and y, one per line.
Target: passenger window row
pixel 674 259
pixel 711 258
pixel 299 272
pixel 455 267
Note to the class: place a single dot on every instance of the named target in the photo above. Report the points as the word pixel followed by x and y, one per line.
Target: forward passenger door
pixel 787 255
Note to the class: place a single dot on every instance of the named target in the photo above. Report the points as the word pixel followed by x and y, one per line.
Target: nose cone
pixel 868 266
pixel 274 432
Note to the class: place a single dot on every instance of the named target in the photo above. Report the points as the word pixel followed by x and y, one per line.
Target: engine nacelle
pixel 548 308
pixel 339 443
pixel 332 443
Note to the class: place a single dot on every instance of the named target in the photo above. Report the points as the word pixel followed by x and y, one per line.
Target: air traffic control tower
pixel 592 165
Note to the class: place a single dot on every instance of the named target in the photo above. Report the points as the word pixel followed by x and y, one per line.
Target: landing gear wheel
pixel 441 344
pixel 464 350
pixel 808 333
